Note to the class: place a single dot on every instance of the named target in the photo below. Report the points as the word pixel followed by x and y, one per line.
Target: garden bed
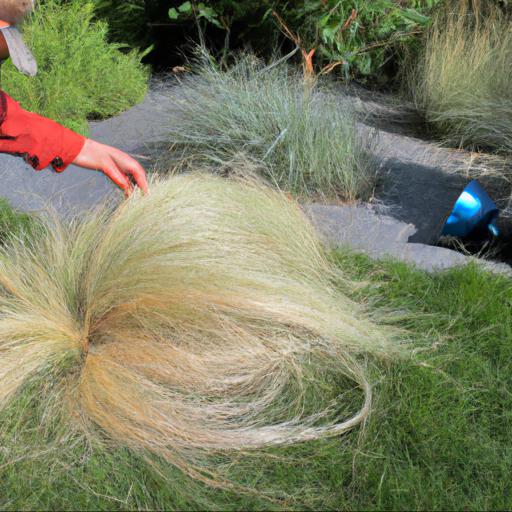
pixel 203 347
pixel 418 182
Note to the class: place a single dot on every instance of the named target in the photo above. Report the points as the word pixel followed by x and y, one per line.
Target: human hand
pixel 118 166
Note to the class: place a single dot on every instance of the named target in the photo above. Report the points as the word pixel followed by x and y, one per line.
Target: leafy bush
pixel 463 82
pixel 81 75
pixel 360 35
pixel 299 135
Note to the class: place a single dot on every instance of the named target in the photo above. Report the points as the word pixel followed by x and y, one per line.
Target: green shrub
pixel 81 75
pixel 362 35
pixel 463 82
pixel 299 135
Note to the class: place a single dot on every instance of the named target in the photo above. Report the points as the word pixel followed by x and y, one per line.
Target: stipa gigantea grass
pixel 199 321
pixel 463 82
pixel 302 136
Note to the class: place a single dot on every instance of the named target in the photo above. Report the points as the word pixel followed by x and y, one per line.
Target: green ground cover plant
pixel 462 82
pixel 439 437
pixel 81 76
pixel 297 134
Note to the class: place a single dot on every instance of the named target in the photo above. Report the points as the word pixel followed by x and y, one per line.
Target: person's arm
pixel 43 143
pixel 4 49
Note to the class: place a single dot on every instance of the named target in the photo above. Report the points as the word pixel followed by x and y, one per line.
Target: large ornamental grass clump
pixel 300 134
pixel 463 82
pixel 199 322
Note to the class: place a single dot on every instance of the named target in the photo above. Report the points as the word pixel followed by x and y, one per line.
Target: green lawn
pixel 440 436
pixel 13 222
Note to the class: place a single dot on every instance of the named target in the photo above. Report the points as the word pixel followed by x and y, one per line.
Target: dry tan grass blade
pixel 201 319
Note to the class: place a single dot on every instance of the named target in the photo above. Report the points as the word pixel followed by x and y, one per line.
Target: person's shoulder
pixel 13 11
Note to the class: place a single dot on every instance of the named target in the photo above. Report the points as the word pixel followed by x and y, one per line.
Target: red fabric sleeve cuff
pixel 39 140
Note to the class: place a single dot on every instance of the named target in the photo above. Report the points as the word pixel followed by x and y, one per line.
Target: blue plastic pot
pixel 473 212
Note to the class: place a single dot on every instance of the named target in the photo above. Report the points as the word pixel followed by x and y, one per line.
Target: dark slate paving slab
pixel 420 181
pixel 363 229
pixel 74 190
pixel 422 195
pixel 142 127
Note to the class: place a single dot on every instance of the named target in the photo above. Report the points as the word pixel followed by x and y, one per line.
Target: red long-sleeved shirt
pixel 40 141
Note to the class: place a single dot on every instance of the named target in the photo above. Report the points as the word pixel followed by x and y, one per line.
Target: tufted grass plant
pixel 194 325
pixel 298 133
pixel 462 82
pixel 81 75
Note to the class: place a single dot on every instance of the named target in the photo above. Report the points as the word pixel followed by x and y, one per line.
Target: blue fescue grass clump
pixel 299 135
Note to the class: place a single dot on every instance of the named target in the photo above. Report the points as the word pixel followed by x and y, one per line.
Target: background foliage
pixel 127 19
pixel 362 36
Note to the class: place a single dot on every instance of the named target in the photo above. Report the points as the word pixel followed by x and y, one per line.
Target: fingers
pixel 116 164
pixel 139 175
pixel 130 166
pixel 119 178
